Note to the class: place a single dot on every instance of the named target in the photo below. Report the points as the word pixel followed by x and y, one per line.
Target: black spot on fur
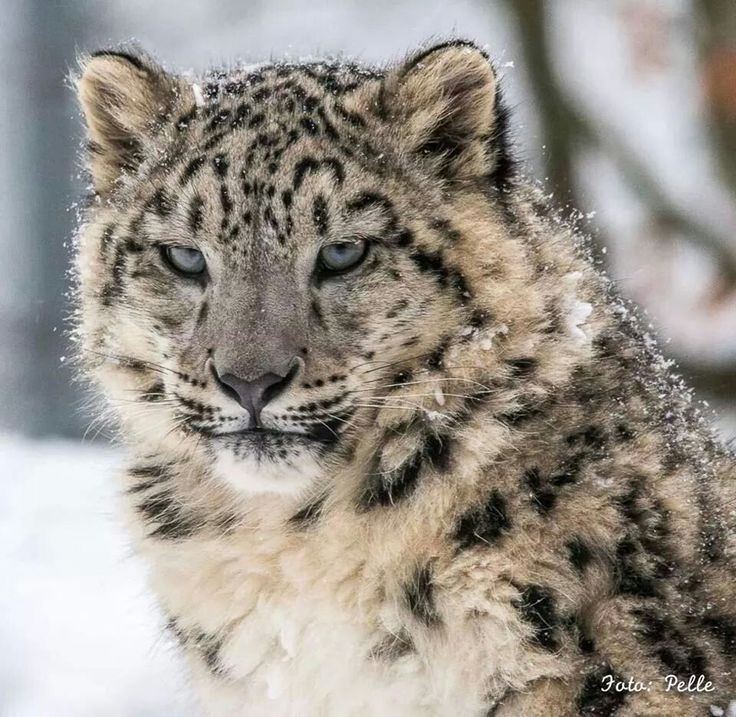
pixel 436 359
pixel 320 215
pixel 240 116
pixel 579 553
pixel 542 495
pixel 633 577
pixel 195 214
pixel 148 476
pixel 419 592
pixel 328 127
pixel 163 510
pixel 521 415
pixel 221 165
pixel 192 168
pixel 309 514
pixel 433 263
pixel 384 489
pixel 113 288
pixel 723 627
pixel 523 366
pixel 161 203
pixel 537 607
pixel 208 646
pixel 106 239
pixel 437 451
pixel 401 377
pixel 669 644
pixel 393 647
pixel 593 701
pixel 484 525
pixel 219 119
pixel 225 200
pixel 310 165
pixel 592 437
pixel 184 120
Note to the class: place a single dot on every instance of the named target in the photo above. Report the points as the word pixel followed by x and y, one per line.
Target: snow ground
pixel 79 632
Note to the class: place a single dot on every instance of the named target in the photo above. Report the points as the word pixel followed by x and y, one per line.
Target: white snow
pixel 198 96
pixel 80 634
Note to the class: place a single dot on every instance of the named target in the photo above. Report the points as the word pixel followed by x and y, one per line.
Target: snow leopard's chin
pixel 265 465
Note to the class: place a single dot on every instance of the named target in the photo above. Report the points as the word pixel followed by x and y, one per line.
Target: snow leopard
pixel 396 445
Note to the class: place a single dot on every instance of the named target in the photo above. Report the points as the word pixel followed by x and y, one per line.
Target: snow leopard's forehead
pixel 253 142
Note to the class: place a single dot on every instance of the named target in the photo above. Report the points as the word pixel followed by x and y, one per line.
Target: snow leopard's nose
pixel 253 395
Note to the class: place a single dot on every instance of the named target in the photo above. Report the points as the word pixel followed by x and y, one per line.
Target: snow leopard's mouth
pixel 268 437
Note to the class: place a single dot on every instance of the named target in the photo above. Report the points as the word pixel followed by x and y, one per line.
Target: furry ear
pixel 124 98
pixel 445 101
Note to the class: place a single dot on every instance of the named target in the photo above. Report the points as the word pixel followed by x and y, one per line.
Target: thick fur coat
pixel 480 490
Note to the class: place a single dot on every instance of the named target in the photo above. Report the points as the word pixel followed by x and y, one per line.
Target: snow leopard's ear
pixel 446 102
pixel 125 98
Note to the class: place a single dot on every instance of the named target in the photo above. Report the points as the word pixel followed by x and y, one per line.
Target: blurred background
pixel 625 109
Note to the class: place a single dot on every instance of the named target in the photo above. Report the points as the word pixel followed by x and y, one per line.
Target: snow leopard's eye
pixel 185 260
pixel 342 256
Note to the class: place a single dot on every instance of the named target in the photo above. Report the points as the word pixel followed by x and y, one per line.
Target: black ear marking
pixel 127 56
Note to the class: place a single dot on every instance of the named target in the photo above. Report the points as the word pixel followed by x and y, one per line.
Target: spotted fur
pixel 483 491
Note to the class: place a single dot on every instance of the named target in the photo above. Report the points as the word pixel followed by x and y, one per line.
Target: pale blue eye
pixel 342 256
pixel 185 259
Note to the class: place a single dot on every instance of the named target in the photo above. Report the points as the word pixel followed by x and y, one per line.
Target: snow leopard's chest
pixel 294 656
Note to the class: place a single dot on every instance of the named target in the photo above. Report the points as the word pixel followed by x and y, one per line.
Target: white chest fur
pixel 301 643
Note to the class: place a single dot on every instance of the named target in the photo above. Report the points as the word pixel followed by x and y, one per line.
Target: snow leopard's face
pixel 272 255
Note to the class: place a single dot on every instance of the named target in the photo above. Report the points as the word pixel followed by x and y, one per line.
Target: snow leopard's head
pixel 276 258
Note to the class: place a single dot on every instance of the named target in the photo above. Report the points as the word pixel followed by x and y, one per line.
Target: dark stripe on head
pixel 329 128
pixel 320 215
pixel 225 200
pixel 195 214
pixel 113 289
pixel 161 203
pixel 192 168
pixel 433 263
pixel 220 165
pixel 310 165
